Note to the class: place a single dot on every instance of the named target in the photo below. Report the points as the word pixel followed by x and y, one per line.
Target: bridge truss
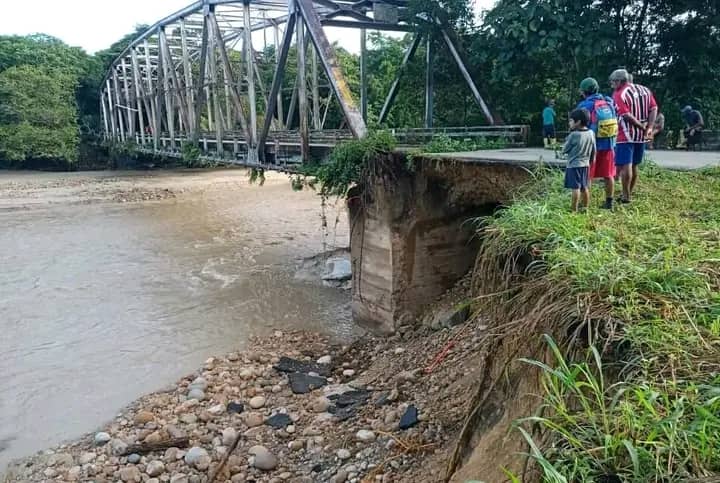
pixel 193 77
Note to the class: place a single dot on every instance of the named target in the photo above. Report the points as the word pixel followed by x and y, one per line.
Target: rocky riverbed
pixel 293 408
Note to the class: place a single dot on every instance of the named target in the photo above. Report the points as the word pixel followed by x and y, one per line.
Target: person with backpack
pixel 603 122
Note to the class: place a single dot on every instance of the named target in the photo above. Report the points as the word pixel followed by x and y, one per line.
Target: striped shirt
pixel 636 100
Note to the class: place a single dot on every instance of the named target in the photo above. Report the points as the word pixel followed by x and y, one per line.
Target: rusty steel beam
pixel 332 68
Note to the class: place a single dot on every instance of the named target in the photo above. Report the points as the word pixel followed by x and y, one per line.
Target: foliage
pixel 649 273
pixel 37 115
pixel 445 144
pixel 348 163
pixel 190 153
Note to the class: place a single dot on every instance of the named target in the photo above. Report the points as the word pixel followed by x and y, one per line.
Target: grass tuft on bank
pixel 642 284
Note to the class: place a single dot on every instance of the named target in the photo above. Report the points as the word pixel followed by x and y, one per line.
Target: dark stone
pixel 317 468
pixel 350 398
pixel 289 365
pixel 302 383
pixel 382 400
pixel 279 421
pixel 410 418
pixel 235 407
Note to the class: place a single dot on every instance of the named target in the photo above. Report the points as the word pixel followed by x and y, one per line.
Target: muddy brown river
pixel 113 285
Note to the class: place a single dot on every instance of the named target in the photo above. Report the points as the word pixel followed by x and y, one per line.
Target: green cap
pixel 589 86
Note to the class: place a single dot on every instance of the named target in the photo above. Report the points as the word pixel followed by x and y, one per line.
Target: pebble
pixel 349 372
pixel 143 417
pixel 343 454
pixel 296 445
pixel 217 410
pixel 321 404
pixel 197 394
pixel 325 360
pixel 199 383
pixel 228 436
pixel 74 473
pixel 257 402
pixel 253 419
pixel 87 458
pixel 130 474
pixel 179 478
pixel 102 438
pixel 133 459
pixel 50 472
pixel 235 407
pixel 365 436
pixel 118 446
pixel 155 468
pixel 340 477
pixel 194 454
pixel 263 458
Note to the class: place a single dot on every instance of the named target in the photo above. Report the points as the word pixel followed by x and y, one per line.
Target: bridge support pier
pixel 412 237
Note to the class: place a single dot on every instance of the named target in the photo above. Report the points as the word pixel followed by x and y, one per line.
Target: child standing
pixel 580 151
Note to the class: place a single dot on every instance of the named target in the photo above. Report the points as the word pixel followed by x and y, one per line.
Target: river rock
pixel 175 432
pixel 321 404
pixel 133 459
pixel 199 383
pixel 74 473
pixel 343 454
pixel 102 438
pixel 303 383
pixel 340 477
pixel 325 360
pixel 296 445
pixel 257 402
pixel 279 421
pixel 253 419
pixel 143 417
pixel 118 446
pixel 130 474
pixel 349 372
pixel 228 436
pixel 179 478
pixel 50 472
pixel 235 407
pixel 365 436
pixel 87 458
pixel 153 438
pixel 217 409
pixel 410 418
pixel 194 454
pixel 290 366
pixel 155 468
pixel 197 394
pixel 263 458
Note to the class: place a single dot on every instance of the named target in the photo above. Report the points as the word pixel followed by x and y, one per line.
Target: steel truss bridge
pixel 193 77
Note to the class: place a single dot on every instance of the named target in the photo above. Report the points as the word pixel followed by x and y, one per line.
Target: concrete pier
pixel 412 238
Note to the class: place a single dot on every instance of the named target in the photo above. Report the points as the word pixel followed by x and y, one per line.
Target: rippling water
pixel 102 302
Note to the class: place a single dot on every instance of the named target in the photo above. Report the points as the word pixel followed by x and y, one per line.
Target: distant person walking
pixel 603 122
pixel 636 110
pixel 549 116
pixel 580 150
pixel 694 125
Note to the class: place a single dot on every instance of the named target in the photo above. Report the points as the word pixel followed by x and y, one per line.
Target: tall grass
pixel 645 404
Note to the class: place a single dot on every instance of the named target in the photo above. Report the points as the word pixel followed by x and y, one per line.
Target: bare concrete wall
pixel 412 238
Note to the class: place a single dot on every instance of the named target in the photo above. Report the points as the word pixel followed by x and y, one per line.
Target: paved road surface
pixel 529 156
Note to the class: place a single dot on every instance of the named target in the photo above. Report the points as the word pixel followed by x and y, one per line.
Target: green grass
pixel 645 405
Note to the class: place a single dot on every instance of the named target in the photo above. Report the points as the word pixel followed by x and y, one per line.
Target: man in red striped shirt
pixel 636 110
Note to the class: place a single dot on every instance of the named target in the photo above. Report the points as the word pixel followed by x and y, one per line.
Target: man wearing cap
pixel 694 125
pixel 636 110
pixel 603 122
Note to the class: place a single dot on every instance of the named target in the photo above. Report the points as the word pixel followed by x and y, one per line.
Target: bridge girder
pixel 195 72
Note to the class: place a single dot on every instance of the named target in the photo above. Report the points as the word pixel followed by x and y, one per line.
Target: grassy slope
pixel 654 268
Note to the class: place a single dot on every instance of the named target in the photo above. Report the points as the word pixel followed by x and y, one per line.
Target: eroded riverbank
pixel 115 284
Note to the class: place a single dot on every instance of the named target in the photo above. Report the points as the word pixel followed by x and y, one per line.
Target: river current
pixel 113 285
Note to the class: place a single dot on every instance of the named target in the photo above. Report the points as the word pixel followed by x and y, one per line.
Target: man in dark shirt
pixel 694 125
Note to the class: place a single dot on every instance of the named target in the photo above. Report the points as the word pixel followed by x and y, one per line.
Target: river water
pixel 105 297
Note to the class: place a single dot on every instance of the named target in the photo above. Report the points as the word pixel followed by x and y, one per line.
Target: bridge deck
pixel 681 160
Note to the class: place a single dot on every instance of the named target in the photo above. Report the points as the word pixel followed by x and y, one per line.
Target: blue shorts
pixel 577 178
pixel 626 153
pixel 548 130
